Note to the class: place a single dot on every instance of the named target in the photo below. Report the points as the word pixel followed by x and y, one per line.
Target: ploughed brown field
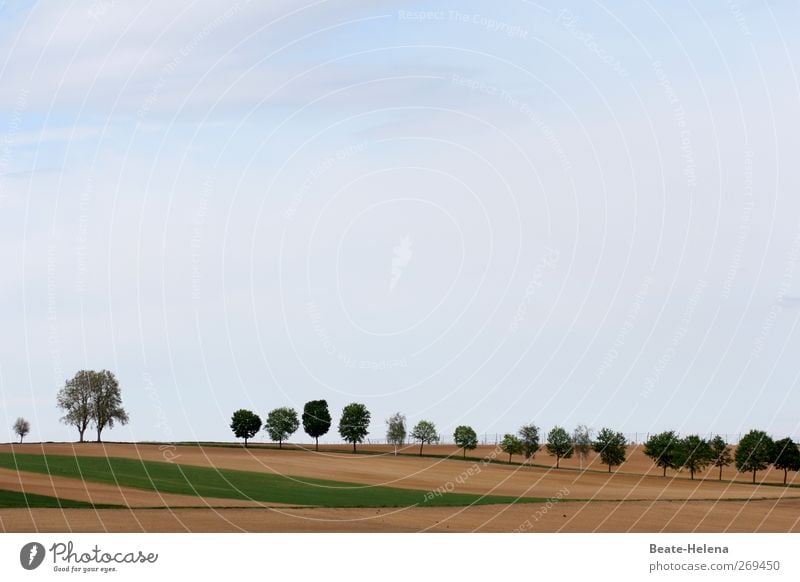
pixel 634 497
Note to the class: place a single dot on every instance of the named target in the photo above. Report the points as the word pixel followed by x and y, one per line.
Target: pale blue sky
pixel 477 213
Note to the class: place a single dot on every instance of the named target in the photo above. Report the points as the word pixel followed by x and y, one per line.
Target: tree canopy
pixel 465 437
pixel 92 397
pixel 21 428
pixel 694 453
pixel 245 424
pixel 664 449
pixel 354 423
pixel 787 456
pixel 75 399
pixel 721 454
pixel 610 446
pixel 396 430
pixel 281 424
pixel 755 452
pixel 512 445
pixel 107 403
pixel 582 442
pixel 316 420
pixel 424 432
pixel 529 437
pixel 559 444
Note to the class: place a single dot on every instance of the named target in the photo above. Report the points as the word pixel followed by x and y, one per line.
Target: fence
pixel 633 438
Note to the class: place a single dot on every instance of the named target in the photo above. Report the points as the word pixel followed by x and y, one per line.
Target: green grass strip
pixel 15 499
pixel 233 484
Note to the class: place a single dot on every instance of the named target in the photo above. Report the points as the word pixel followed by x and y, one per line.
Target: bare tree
pixel 21 428
pixel 582 442
pixel 529 437
pixel 396 430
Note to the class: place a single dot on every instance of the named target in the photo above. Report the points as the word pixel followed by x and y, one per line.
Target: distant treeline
pixel 755 451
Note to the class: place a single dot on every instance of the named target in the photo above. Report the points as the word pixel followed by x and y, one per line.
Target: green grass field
pixel 17 499
pixel 230 484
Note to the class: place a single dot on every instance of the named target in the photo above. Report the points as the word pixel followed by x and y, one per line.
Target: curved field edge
pixel 410 451
pixel 233 484
pixel 18 499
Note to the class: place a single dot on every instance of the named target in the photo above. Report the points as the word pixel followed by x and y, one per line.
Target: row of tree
pixel 281 423
pixel 756 451
pixel 608 444
pixel 354 422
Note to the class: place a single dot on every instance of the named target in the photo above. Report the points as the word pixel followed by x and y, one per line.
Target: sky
pixel 473 213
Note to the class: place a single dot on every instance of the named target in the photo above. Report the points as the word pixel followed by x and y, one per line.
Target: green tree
pixel 754 452
pixel 664 449
pixel 21 428
pixel 582 442
pixel 529 437
pixel 424 432
pixel 512 445
pixel 610 446
pixel 281 424
pixel 316 420
pixel 559 444
pixel 75 399
pixel 354 423
pixel 396 430
pixel 465 437
pixel 92 398
pixel 245 424
pixel 695 454
pixel 787 456
pixel 106 402
pixel 721 454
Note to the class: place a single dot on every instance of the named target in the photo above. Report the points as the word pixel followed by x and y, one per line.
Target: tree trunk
pixel 99 430
pixel 420 448
pixel 691 472
pixel 245 442
pixel 280 443
pixel 80 432
pixel 609 468
pixel 664 474
pixel 465 452
pixel 354 446
pixel 509 457
pixel 316 444
pixel 784 471
pixel 720 472
pixel 20 442
pixel 557 459
pixel 754 475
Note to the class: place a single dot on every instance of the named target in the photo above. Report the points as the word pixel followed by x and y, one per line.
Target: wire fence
pixel 633 438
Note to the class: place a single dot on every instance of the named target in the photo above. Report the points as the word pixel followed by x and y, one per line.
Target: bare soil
pixel 602 516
